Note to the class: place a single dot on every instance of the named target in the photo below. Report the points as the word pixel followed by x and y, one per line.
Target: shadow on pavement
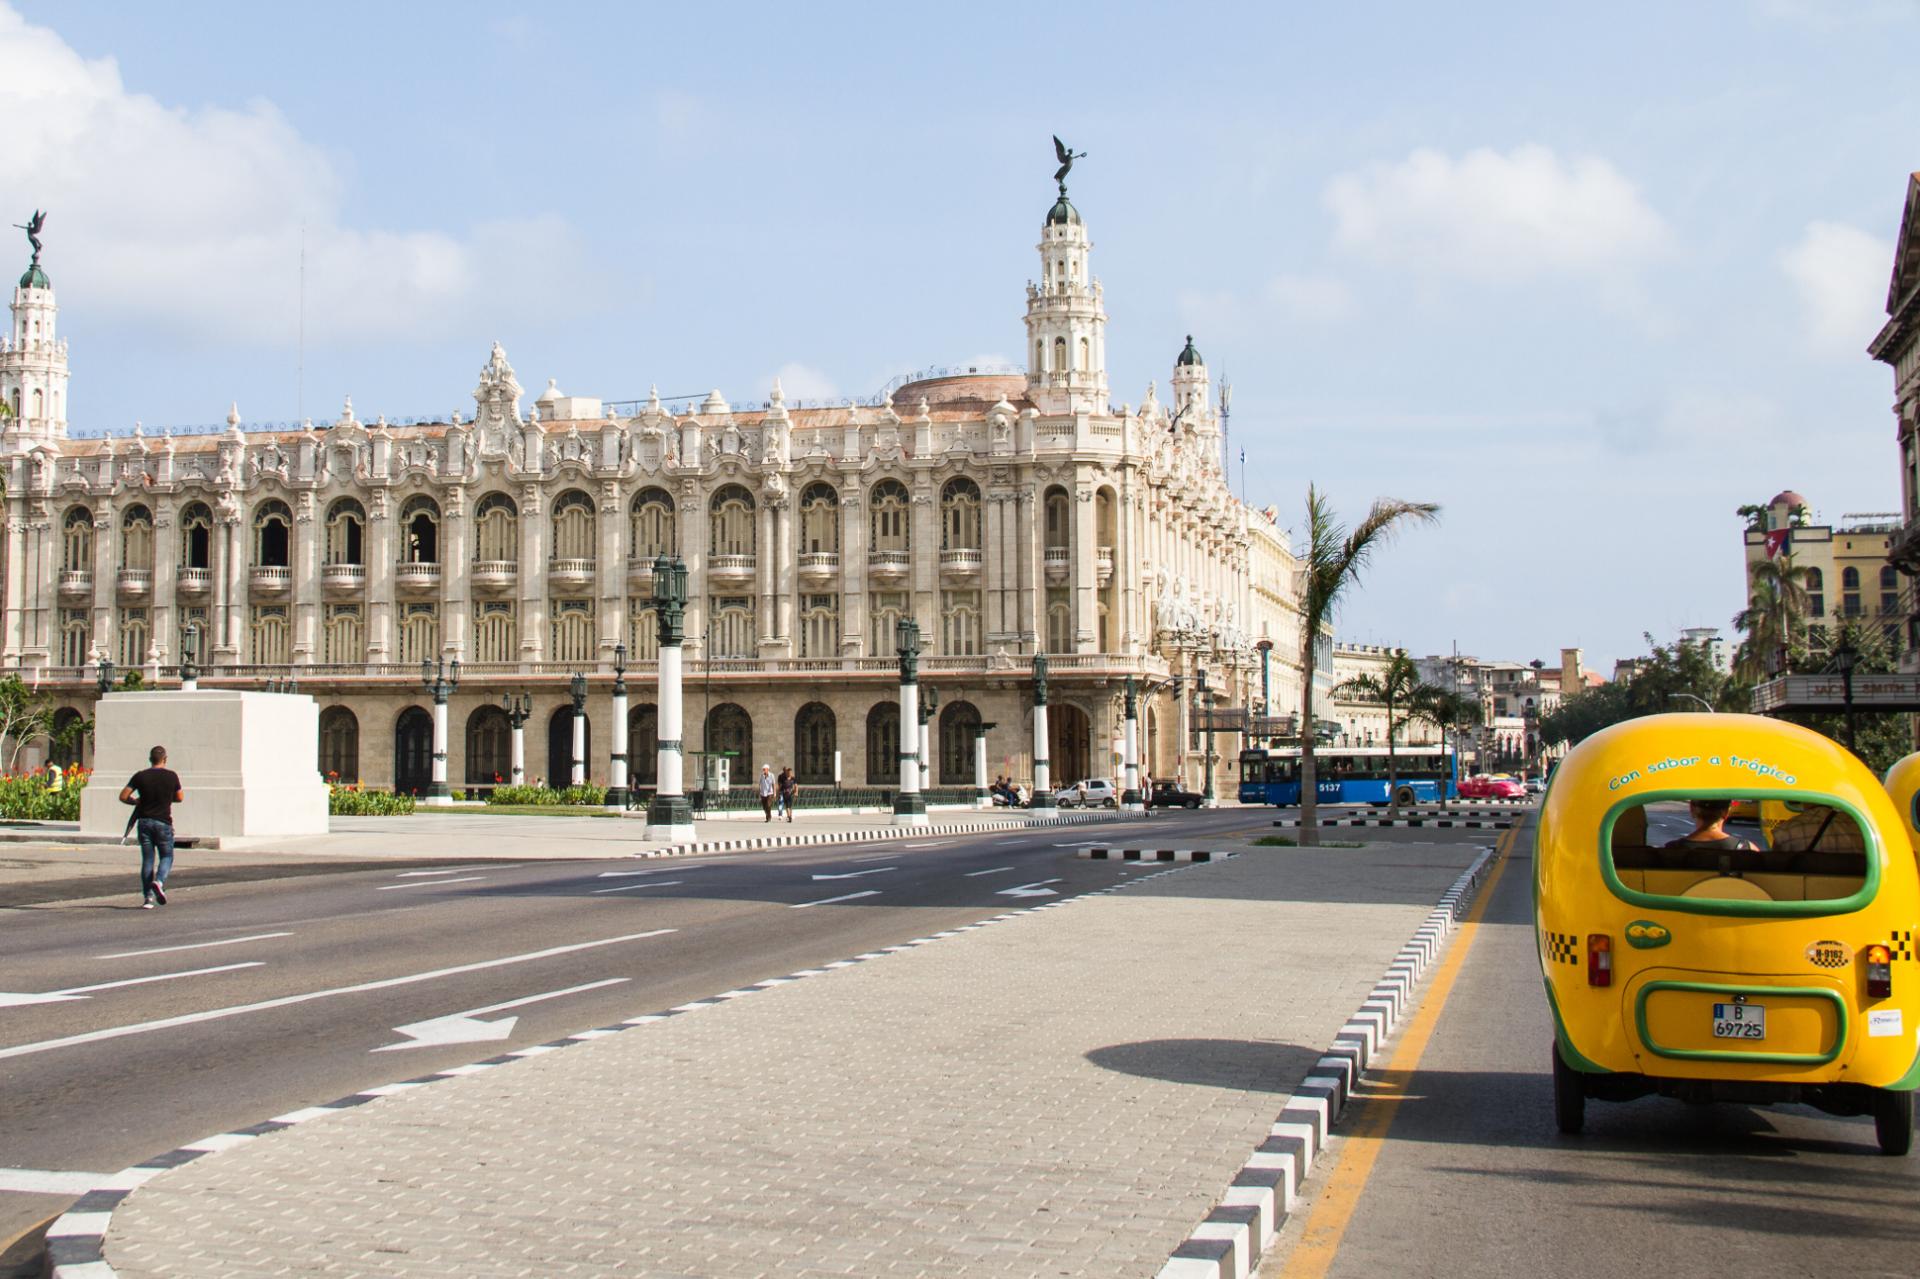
pixel 1240 1064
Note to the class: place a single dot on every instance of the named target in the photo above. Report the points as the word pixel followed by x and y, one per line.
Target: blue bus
pixel 1349 774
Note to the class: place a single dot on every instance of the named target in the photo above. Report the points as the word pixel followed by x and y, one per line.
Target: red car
pixel 1484 787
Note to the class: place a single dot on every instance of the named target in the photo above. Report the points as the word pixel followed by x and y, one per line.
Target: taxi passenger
pixel 1709 828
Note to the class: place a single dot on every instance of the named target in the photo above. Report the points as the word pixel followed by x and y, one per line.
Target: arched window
pixel 733 627
pixel 814 739
pixel 77 540
pixel 1889 579
pixel 1849 579
pixel 419 633
pixel 136 538
pixel 643 744
pixel 960 623
pixel 196 536
pixel 957 722
pixel 1059 624
pixel 272 535
pixel 573 526
pixel 346 532
pixel 269 634
pixel 730 522
pixel 496 631
pixel 489 747
pixel 496 529
pixel 888 607
pixel 412 751
pixel 1086 356
pixel 730 730
pixel 1816 580
pixel 819 520
pixel 133 637
pixel 960 515
pixel 69 738
pixel 339 745
pixel 883 744
pixel 420 528
pixel 653 530
pixel 572 627
pixel 643 634
pixel 819 626
pixel 1060 364
pixel 344 641
pixel 76 639
pixel 892 509
pixel 1040 356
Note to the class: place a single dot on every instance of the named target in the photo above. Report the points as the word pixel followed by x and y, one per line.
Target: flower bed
pixel 352 799
pixel 28 797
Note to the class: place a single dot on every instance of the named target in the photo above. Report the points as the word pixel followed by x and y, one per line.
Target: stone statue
pixel 1066 157
pixel 32 227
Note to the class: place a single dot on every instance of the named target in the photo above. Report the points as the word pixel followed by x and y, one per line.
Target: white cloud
pixel 1841 273
pixel 1497 217
pixel 1314 299
pixel 1830 14
pixel 195 217
pixel 804 382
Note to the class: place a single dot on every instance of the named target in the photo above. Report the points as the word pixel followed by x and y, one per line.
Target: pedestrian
pixel 789 790
pixel 153 791
pixel 767 790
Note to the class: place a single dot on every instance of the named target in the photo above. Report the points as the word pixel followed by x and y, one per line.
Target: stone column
pixel 1086 573
pixel 304 557
pixel 853 573
pixel 533 575
pixel 165 631
pixel 610 568
pixel 105 585
pixel 668 817
pixel 1042 805
pixel 786 567
pixel 382 555
pixel 233 598
pixel 1031 610
pixel 454 556
pixel 765 555
pixel 1132 800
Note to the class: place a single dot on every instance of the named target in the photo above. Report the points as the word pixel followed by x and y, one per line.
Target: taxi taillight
pixel 1879 972
pixel 1599 959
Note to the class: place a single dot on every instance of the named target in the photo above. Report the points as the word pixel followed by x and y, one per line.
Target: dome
pixel 1789 499
pixel 1063 213
pixel 1190 357
pixel 35 278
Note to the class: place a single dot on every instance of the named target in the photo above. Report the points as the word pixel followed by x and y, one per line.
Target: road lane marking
pixel 199 945
pixel 288 1001
pixel 939 843
pixel 627 888
pixel 455 870
pixel 1002 843
pixel 70 993
pixel 428 883
pixel 42 1181
pixel 855 861
pixel 828 901
pixel 855 874
pixel 629 874
pixel 997 870
pixel 1327 1222
pixel 1035 889
pixel 462 1028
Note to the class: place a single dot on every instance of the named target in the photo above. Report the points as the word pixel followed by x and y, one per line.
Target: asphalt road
pixel 1473 1178
pixel 126 1032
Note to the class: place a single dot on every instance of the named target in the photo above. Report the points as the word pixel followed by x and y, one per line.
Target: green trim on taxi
pixel 1738 988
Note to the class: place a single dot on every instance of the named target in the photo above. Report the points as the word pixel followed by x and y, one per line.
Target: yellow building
pixel 1848 575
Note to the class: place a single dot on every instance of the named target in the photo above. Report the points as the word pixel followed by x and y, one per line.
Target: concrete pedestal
pixel 249 762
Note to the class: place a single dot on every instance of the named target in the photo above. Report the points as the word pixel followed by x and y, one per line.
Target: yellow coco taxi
pixel 1693 961
pixel 1903 784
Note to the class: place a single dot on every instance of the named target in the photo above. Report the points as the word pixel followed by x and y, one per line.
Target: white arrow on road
pixel 1030 890
pixel 464 1028
pixel 81 992
pixel 828 901
pixel 855 874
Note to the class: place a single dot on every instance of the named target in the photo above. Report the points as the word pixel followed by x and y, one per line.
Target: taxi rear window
pixel 1757 850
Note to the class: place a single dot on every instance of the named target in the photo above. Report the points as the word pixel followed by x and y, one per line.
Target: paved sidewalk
pixel 1066 1092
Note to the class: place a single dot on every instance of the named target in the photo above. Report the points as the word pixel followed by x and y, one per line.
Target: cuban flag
pixel 1778 541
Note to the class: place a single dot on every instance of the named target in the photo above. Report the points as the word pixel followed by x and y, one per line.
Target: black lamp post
pixel 519 709
pixel 440 678
pixel 104 680
pixel 617 792
pixel 981 797
pixel 577 689
pixel 1130 799
pixel 189 673
pixel 668 816
pixel 1203 697
pixel 929 702
pixel 1845 657
pixel 1042 801
pixel 909 805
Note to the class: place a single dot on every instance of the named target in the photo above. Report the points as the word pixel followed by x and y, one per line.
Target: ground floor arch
pixel 1069 744
pixel 413 751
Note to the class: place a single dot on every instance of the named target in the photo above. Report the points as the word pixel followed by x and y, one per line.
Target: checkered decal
pixel 1902 945
pixel 1563 948
pixel 1827 956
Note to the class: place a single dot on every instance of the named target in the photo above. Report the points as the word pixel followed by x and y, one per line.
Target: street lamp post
pixel 1203 698
pixel 577 689
pixel 519 709
pixel 1132 800
pixel 1265 647
pixel 104 680
pixel 928 704
pixel 440 679
pixel 618 795
pixel 1042 802
pixel 189 673
pixel 668 817
pixel 1845 658
pixel 981 799
pixel 909 805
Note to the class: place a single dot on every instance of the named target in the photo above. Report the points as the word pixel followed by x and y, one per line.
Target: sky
pixel 1589 277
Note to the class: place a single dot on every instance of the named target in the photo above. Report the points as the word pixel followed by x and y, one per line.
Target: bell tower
pixel 33 359
pixel 1066 323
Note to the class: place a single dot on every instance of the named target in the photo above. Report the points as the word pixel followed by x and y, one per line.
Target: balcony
pixel 417 578
pixel 495 575
pixel 343 579
pixel 640 574
pixel 730 569
pixel 570 574
pixel 1103 565
pixel 271 581
pixel 1059 562
pixel 963 561
pixel 819 566
pixel 136 583
pixel 888 566
pixel 194 583
pixel 76 584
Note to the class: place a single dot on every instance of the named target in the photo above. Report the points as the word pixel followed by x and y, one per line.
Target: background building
pixel 1008 511
pixel 1849 576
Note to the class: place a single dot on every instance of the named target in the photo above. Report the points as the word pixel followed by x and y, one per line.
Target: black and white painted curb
pixel 868 836
pixel 1152 854
pixel 1443 823
pixel 76 1242
pixel 1229 1243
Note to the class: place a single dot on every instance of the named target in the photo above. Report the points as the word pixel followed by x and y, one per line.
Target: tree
pixel 1777 603
pixel 1335 558
pixel 1882 738
pixel 1452 713
pixel 1671 678
pixel 26 717
pixel 1399 688
pixel 1755 516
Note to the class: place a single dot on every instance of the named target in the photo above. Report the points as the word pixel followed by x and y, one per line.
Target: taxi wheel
pixel 1404 797
pixel 1893 1121
pixel 1569 1095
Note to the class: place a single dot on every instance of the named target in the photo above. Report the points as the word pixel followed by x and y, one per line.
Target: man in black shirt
pixel 153 792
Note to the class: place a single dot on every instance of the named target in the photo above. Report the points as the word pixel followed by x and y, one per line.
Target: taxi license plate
pixel 1739 1021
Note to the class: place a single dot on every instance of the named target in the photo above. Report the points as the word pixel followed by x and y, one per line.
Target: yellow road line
pixel 1327 1222
pixel 7 1245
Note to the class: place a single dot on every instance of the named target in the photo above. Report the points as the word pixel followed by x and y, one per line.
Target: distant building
pixel 1848 575
pixel 1709 640
pixel 1898 346
pixel 1363 721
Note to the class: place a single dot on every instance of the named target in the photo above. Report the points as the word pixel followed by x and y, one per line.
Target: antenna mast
pixel 300 373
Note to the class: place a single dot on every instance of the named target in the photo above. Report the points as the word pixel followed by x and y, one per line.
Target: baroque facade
pixel 1008 512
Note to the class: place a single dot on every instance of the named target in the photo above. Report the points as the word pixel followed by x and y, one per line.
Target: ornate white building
pixel 1008 512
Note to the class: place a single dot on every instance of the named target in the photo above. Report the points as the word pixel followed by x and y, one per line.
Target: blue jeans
pixel 156 853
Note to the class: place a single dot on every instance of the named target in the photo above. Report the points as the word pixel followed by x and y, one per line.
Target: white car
pixel 1095 792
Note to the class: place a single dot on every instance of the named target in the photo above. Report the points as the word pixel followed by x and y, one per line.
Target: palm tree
pixel 1777 601
pixel 1335 557
pixel 1396 685
pixel 1454 713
